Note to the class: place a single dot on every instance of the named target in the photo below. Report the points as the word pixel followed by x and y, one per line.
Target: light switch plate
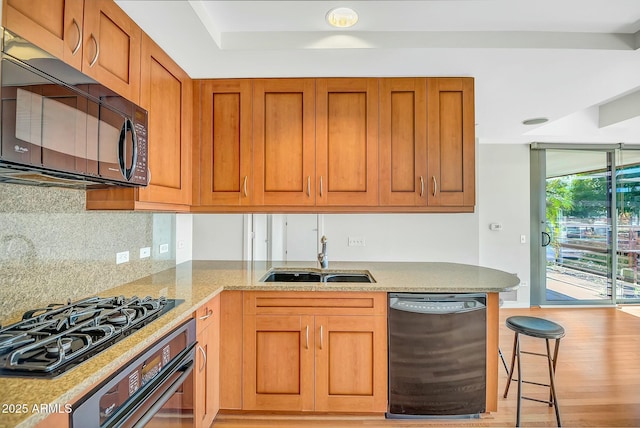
pixel 164 248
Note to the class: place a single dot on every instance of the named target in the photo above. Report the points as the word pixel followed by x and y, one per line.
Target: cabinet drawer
pixel 314 302
pixel 207 313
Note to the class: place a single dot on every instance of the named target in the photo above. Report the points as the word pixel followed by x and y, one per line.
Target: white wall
pixel 184 237
pixel 503 198
pixel 218 236
pixel 403 237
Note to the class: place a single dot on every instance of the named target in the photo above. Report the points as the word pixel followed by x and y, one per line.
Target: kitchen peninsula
pixel 197 282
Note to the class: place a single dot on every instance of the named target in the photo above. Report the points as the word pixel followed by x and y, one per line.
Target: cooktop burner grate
pixel 51 340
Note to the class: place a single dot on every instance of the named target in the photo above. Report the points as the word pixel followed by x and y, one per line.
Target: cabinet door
pixel 112 48
pixel 166 92
pixel 347 141
pixel 225 152
pixel 284 146
pixel 451 142
pixel 278 362
pixel 53 25
pixel 403 142
pixel 207 370
pixel 351 363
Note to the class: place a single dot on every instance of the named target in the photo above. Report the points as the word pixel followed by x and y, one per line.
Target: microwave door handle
pixel 127 127
pixel 134 150
pixel 121 148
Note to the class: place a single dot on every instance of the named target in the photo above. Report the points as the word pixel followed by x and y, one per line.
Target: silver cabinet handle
pixel 77 48
pixel 95 58
pixel 308 186
pixel 204 317
pixel 320 186
pixel 245 186
pixel 204 357
pixel 421 186
pixel 321 339
pixel 306 344
pixel 435 186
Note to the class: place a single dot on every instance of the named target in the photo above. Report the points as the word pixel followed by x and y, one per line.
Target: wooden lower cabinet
pixel 279 362
pixel 206 390
pixel 304 352
pixel 351 371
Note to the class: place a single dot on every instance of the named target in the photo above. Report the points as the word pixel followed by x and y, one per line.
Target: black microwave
pixel 60 127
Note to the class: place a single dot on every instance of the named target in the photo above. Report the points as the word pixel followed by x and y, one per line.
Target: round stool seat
pixel 536 327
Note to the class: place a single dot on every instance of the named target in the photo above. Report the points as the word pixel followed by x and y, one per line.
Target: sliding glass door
pixel 586 209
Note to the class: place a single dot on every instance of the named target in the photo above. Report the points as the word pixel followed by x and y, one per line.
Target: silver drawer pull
pixel 204 317
pixel 77 48
pixel 204 357
pixel 95 58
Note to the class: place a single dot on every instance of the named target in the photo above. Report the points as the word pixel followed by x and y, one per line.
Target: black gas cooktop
pixel 48 341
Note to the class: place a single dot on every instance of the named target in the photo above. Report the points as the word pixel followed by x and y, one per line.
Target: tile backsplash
pixel 52 250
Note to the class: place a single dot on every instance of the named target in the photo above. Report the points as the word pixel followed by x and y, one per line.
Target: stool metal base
pixel 553 401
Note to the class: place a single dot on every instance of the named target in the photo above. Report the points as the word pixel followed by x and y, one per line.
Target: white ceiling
pixel 561 59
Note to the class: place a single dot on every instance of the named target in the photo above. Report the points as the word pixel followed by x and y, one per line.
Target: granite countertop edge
pixel 195 283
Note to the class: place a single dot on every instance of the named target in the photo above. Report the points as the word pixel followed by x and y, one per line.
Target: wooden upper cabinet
pixel 283 141
pixel 166 92
pixel 347 142
pixel 54 25
pixel 403 141
pixel 451 142
pixel 112 48
pixel 226 176
pixel 94 36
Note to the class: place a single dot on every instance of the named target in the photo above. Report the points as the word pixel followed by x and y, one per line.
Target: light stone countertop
pixel 196 283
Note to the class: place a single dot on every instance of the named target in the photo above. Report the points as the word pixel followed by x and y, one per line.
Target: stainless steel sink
pixel 316 275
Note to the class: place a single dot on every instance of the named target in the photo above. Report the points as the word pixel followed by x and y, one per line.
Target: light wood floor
pixel 598 380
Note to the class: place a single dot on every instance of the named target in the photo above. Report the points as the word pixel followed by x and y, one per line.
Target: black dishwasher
pixel 437 355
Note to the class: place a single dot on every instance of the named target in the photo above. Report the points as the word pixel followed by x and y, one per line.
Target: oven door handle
pixel 162 400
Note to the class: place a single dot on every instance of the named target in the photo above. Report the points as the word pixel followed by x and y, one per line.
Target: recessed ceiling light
pixel 535 121
pixel 342 17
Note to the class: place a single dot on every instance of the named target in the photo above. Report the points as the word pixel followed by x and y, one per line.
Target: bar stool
pixel 543 329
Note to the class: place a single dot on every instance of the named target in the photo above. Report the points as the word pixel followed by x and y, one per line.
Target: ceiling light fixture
pixel 342 17
pixel 535 121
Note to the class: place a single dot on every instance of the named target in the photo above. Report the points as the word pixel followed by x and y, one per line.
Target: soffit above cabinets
pixel 529 58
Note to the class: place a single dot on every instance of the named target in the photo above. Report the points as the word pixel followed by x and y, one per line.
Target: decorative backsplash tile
pixel 52 250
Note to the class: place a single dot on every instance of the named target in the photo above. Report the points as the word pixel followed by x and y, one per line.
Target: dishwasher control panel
pixel 426 304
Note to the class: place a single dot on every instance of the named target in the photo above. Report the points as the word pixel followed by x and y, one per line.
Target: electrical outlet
pixel 164 248
pixel 145 252
pixel 523 283
pixel 180 245
pixel 122 257
pixel 356 241
pixel 523 239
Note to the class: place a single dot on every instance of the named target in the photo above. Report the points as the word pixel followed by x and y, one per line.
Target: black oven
pixel 154 389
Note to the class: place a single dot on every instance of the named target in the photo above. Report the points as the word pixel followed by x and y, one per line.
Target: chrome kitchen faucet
pixel 322 257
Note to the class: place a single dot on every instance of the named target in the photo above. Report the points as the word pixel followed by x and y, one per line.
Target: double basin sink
pixel 316 275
